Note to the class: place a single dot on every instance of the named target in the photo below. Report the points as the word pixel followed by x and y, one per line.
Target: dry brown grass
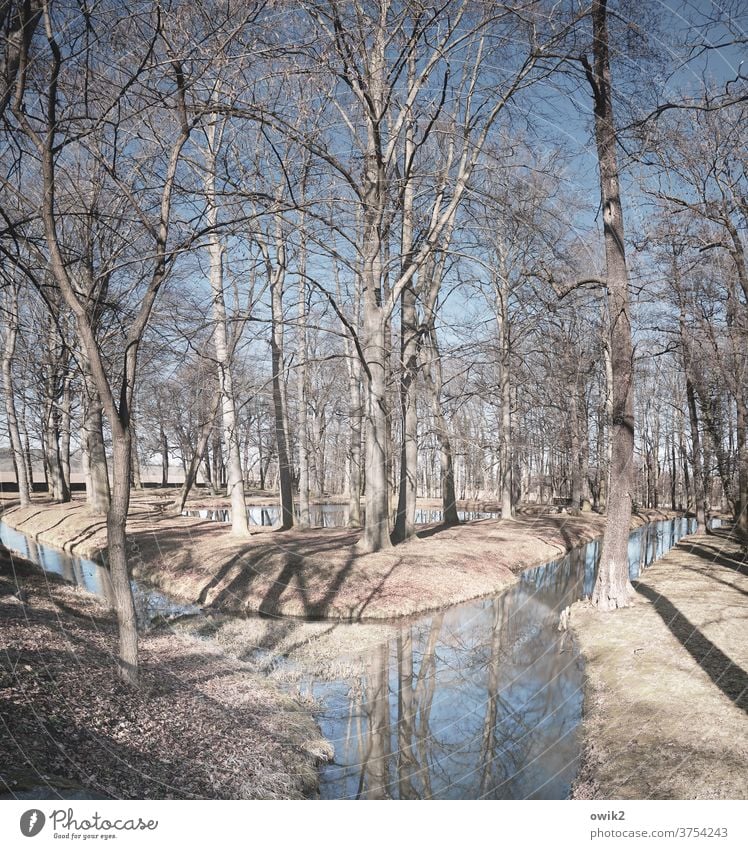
pixel 666 696
pixel 291 651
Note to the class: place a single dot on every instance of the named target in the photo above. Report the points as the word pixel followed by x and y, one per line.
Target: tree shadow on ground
pixel 724 673
pixel 218 577
pixel 708 574
pixel 293 571
pixel 712 554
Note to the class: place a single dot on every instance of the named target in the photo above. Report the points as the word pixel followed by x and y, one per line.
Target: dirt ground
pixel 316 573
pixel 667 691
pixel 201 726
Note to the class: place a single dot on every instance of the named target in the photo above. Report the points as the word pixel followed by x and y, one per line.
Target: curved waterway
pixel 479 700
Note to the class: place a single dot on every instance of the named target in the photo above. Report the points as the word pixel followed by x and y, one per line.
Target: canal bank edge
pixel 317 574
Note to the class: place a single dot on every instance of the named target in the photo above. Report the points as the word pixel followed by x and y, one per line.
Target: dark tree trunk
pixel 697 455
pixel 696 462
pixel 405 527
pixel 65 432
pixel 164 447
pixel 285 476
pixel 56 478
pixel 97 478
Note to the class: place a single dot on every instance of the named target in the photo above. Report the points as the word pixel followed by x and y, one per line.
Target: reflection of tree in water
pixel 404 773
pixel 456 709
pixel 481 700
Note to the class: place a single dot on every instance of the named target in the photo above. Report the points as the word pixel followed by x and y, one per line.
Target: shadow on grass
pixel 724 673
pixel 712 554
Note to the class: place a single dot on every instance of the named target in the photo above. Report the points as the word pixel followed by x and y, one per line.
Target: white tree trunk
pixel 234 476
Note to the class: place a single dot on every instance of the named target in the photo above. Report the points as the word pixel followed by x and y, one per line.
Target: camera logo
pixel 32 822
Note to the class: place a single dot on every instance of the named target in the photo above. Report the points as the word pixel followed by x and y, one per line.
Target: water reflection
pixel 150 604
pixel 482 700
pixel 324 515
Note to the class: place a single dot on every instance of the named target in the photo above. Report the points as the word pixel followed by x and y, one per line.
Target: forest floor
pixel 201 725
pixel 666 680
pixel 316 573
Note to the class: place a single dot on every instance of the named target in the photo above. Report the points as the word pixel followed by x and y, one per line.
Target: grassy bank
pixel 316 573
pixel 201 725
pixel 666 687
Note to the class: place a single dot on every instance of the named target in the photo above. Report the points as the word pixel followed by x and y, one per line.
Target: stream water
pixel 480 700
pixel 150 604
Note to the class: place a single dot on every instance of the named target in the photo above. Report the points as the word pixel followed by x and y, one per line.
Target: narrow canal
pixel 479 700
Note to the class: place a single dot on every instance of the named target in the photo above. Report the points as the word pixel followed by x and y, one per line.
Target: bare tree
pixel 613 588
pixel 52 131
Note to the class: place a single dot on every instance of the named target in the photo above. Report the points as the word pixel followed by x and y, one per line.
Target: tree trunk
pixel 65 431
pixel 505 388
pixel 92 439
pixel 355 416
pixel 320 460
pixel 609 414
pixel 696 457
pixel 9 348
pixel 405 527
pixel 234 475
pixel 712 424
pixel 656 462
pixel 24 431
pixel 354 442
pixel 432 372
pixel 217 461
pixel 285 476
pixel 742 451
pixel 696 463
pixel 259 452
pixel 575 459
pixel 406 508
pixel 376 534
pixel 117 556
pixel 56 479
pixel 137 481
pixel 305 519
pixel 164 447
pixel 612 587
